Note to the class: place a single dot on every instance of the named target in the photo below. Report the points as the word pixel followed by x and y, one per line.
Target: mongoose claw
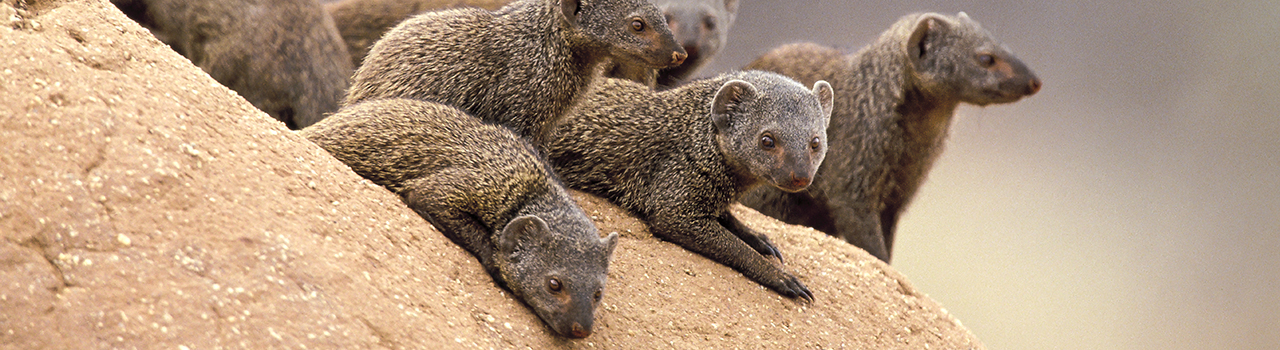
pixel 794 289
pixel 765 247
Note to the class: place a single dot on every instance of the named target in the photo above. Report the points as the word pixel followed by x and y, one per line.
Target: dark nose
pixel 799 181
pixel 577 331
pixel 677 58
pixel 1034 86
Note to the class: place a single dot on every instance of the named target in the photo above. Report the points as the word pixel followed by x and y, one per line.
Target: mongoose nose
pixel 677 58
pixel 799 182
pixel 1034 86
pixel 577 331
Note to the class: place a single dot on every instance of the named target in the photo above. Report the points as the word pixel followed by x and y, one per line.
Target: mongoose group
pixel 480 114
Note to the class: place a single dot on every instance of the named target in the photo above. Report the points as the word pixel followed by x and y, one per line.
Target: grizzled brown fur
pixel 363 22
pixel 700 26
pixel 522 66
pixel 678 158
pixel 894 103
pixel 284 56
pixel 486 189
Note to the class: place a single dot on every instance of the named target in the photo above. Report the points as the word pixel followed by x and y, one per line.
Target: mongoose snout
pixel 578 332
pixel 677 58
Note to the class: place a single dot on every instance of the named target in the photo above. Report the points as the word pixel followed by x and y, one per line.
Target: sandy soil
pixel 142 205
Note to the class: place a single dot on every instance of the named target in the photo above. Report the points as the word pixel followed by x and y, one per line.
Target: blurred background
pixel 1131 204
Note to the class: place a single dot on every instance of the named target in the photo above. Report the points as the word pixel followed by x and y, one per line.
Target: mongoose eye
pixel 766 141
pixel 986 60
pixel 598 295
pixel 637 25
pixel 815 144
pixel 554 285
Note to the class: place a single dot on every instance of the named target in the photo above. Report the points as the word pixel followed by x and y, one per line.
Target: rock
pixel 144 205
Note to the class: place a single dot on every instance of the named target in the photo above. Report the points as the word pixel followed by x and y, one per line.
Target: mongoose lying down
pixel 677 158
pixel 489 191
pixel 894 102
pixel 522 66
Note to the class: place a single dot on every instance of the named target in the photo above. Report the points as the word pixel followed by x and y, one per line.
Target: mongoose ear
pixel 570 9
pixel 730 95
pixel 826 96
pixel 731 6
pixel 610 242
pixel 925 26
pixel 522 228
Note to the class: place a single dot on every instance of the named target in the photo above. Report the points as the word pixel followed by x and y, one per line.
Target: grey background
pixel 1131 204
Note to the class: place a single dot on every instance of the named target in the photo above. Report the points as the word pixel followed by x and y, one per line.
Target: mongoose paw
pixel 765 247
pixel 792 288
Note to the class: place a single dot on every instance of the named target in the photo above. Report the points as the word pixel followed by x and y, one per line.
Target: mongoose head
pixel 775 129
pixel 560 278
pixel 701 27
pixel 954 56
pixel 632 31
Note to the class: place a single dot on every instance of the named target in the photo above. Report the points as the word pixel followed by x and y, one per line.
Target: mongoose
pixel 895 100
pixel 699 26
pixel 702 27
pixel 362 22
pixel 522 66
pixel 677 158
pixel 489 191
pixel 283 56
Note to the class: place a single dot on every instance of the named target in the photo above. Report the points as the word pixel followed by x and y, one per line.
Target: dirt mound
pixel 144 205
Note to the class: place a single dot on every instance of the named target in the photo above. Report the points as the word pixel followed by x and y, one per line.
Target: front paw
pixel 762 244
pixel 791 287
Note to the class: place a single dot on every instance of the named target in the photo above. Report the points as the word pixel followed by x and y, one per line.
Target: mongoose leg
pixel 755 240
pixel 428 200
pixel 706 236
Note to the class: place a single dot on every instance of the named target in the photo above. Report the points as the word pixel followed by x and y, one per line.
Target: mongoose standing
pixel 284 56
pixel 894 103
pixel 522 66
pixel 678 158
pixel 486 189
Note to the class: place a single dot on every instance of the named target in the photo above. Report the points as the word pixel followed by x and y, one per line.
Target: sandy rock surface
pixel 142 205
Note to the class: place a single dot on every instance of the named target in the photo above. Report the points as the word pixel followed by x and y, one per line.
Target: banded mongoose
pixel 486 189
pixel 700 26
pixel 522 66
pixel 283 56
pixel 894 102
pixel 677 159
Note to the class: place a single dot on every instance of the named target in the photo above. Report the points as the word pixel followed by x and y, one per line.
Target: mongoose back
pixel 522 66
pixel 486 189
pixel 894 102
pixel 283 56
pixel 700 26
pixel 677 159
pixel 363 22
